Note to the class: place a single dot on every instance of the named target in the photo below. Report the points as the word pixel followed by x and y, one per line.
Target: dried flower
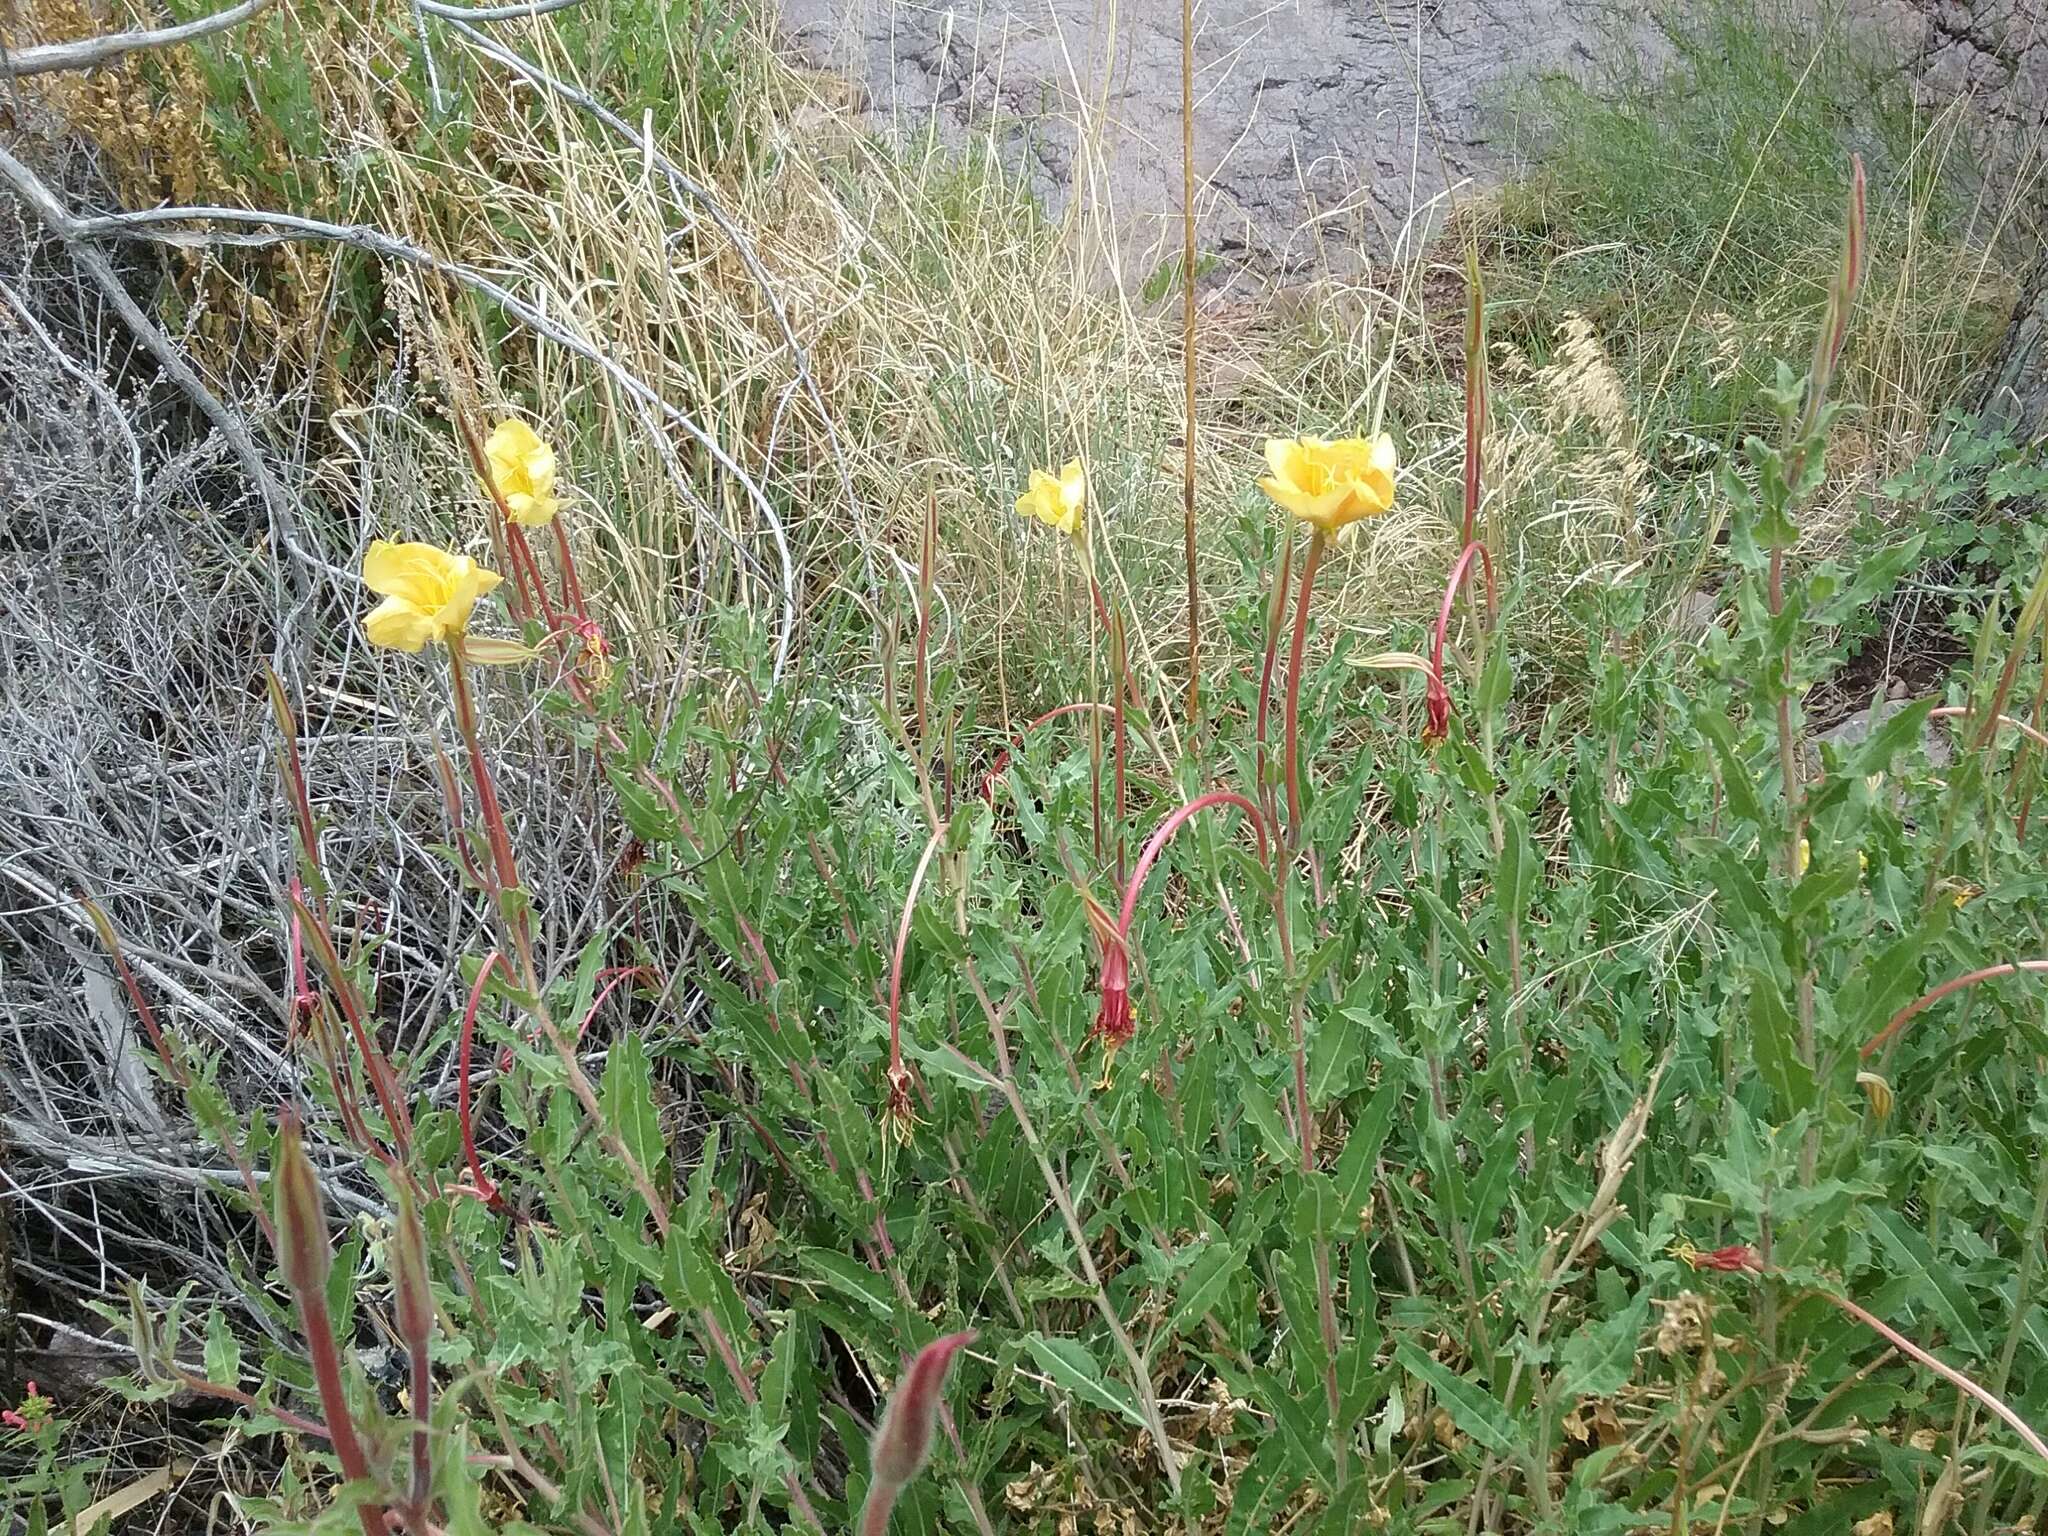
pixel 523 469
pixel 428 594
pixel 1736 1258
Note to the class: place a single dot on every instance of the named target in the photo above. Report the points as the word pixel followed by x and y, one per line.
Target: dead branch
pixel 90 52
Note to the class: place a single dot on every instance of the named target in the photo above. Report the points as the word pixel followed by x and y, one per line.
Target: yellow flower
pixel 523 468
pixel 1331 485
pixel 427 594
pixel 1057 501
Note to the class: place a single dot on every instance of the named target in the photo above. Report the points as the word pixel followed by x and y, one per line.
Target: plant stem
pixel 1292 725
pixel 1276 616
pixel 1907 1014
pixel 1187 326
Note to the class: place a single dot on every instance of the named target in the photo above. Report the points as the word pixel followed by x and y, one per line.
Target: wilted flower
pixel 1331 485
pixel 1057 501
pixel 1736 1258
pixel 1878 1092
pixel 1114 1024
pixel 523 468
pixel 428 594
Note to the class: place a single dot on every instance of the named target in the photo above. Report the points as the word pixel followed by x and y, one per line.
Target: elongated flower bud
pixel 303 1250
pixel 903 1443
pixel 412 1302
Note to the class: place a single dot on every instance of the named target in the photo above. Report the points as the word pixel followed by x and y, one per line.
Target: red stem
pixel 995 772
pixel 1906 1014
pixel 341 1429
pixel 1946 1372
pixel 382 1082
pixel 1165 831
pixel 1294 653
pixel 522 558
pixel 505 867
pixel 111 942
pixel 486 1190
pixel 294 772
pixel 1440 694
pixel 902 943
pixel 571 587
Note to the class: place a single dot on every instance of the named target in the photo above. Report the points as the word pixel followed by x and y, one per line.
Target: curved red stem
pixel 1439 695
pixel 902 943
pixel 1164 833
pixel 995 772
pixel 1906 1014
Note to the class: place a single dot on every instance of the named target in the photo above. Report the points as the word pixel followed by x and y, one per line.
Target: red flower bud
pixel 903 1442
pixel 413 1302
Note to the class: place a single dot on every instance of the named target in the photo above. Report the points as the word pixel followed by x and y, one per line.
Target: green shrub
pixel 1525 1131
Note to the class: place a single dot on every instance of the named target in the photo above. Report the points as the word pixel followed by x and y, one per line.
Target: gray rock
pixel 1857 728
pixel 1320 125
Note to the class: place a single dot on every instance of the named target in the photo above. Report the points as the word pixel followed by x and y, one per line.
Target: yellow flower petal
pixel 1057 502
pixel 1331 484
pixel 409 571
pixel 396 625
pixel 523 470
pixel 428 593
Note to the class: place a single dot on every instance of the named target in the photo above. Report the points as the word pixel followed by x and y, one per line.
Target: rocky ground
pixel 1323 126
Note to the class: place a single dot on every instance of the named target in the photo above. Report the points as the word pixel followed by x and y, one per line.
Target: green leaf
pixel 1318 1213
pixel 1206 1281
pixel 1933 1284
pixel 1471 1407
pixel 1263 1489
pixel 1600 1358
pixel 1454 929
pixel 1901 729
pixel 1358 1164
pixel 1074 1371
pixel 850 1279
pixel 628 1104
pixel 223 1351
pixel 1521 865
pixel 1775 1035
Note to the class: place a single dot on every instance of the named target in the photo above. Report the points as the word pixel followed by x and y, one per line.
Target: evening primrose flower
pixel 1057 501
pixel 1331 485
pixel 523 469
pixel 428 594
